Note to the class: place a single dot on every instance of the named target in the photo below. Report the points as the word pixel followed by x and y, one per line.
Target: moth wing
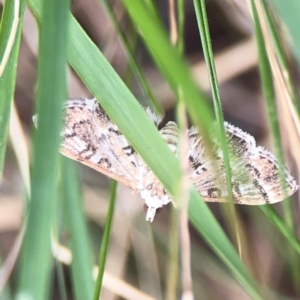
pixel 90 137
pixel 255 173
pixel 206 170
pixel 269 178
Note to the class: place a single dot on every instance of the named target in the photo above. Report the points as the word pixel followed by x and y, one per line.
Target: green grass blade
pixel 181 23
pixel 135 66
pixel 35 263
pixel 8 74
pixel 281 55
pixel 82 261
pixel 212 74
pixel 267 85
pixel 5 291
pixel 169 62
pixel 269 96
pixel 289 15
pixel 175 255
pixel 286 231
pixel 8 31
pixel 201 216
pixel 105 240
pixel 61 281
pixel 229 210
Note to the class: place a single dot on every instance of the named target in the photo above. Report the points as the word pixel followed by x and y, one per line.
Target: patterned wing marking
pixel 206 169
pixel 240 143
pixel 255 174
pixel 89 136
pixel 267 177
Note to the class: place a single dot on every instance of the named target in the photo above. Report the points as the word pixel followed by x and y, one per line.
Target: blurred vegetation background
pixel 142 257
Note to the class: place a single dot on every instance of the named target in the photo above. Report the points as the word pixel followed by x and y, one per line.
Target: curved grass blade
pixel 135 66
pixel 229 211
pixel 8 74
pixel 201 217
pixel 8 31
pixel 279 223
pixel 268 88
pixel 35 262
pixel 270 96
pixel 105 240
pixel 171 65
pixel 211 69
pixel 178 275
pixel 289 14
pixel 281 55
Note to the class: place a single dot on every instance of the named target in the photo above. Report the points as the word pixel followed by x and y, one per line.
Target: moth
pixel 90 137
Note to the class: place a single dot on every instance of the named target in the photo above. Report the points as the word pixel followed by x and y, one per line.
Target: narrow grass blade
pixel 105 240
pixel 265 60
pixel 181 23
pixel 134 64
pixel 267 85
pixel 179 274
pixel 9 28
pixel 171 65
pixel 289 14
pixel 173 257
pixel 82 262
pixel 9 64
pixel 229 211
pixel 278 222
pixel 269 96
pixel 211 69
pixel 201 216
pixel 281 55
pixel 61 281
pixel 35 262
